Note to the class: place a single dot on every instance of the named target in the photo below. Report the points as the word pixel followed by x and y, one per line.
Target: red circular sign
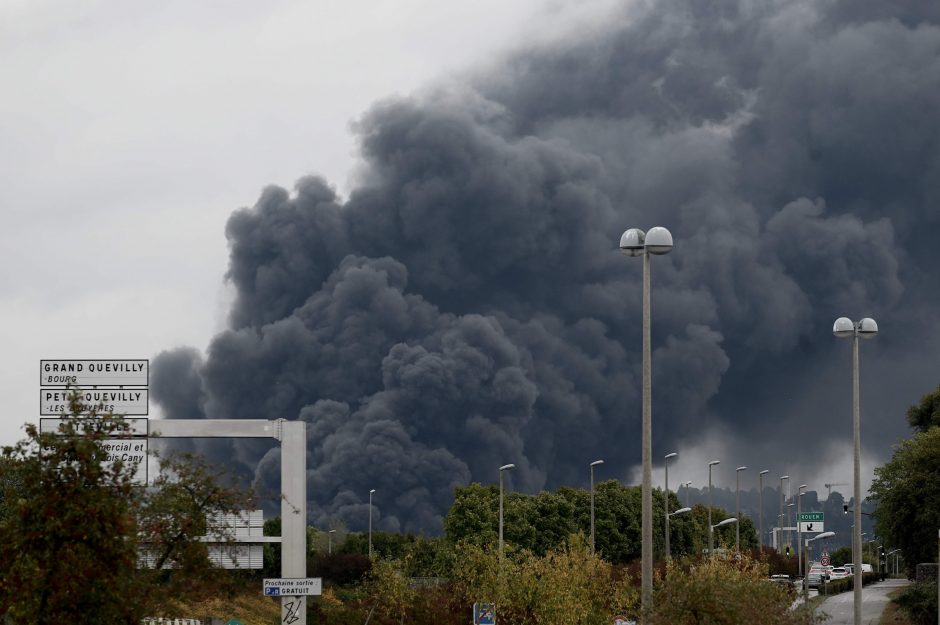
pixel 824 560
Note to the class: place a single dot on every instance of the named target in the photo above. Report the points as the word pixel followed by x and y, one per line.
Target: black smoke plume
pixel 466 306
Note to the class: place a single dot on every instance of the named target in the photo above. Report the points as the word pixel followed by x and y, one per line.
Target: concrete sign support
pixel 293 438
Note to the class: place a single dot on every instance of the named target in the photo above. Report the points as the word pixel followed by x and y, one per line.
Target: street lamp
pixel 808 541
pixel 799 534
pixel 330 535
pixel 789 522
pixel 668 516
pixel 593 464
pixel 782 477
pixel 371 492
pixel 711 533
pixel 760 487
pixel 687 485
pixel 505 467
pixel 710 465
pixel 866 328
pixel 635 242
pixel 737 504
pixel 666 504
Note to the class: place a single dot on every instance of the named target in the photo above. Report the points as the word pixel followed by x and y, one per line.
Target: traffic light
pixel 845 508
pixel 788 551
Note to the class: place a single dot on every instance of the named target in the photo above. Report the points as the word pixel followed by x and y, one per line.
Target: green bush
pixel 919 602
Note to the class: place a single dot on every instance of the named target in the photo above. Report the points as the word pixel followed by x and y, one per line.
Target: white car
pixel 838 572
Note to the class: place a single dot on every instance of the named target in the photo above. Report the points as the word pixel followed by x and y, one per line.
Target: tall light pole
pixel 505 467
pixel 799 534
pixel 737 504
pixel 781 517
pixel 635 242
pixel 866 328
pixel 710 465
pixel 330 535
pixel 687 485
pixel 669 516
pixel 666 498
pixel 789 522
pixel 760 487
pixel 711 533
pixel 808 541
pixel 593 464
pixel 371 492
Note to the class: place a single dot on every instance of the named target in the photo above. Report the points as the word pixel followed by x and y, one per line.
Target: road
pixel 841 607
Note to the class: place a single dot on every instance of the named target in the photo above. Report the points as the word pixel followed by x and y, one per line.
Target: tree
pixel 926 414
pixel 725 591
pixel 907 490
pixel 73 523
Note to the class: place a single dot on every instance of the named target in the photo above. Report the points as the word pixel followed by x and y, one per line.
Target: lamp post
pixel 330 547
pixel 737 505
pixel 710 465
pixel 593 464
pixel 668 516
pixel 687 485
pixel 711 533
pixel 782 477
pixel 635 242
pixel 789 522
pixel 505 467
pixel 866 328
pixel 760 487
pixel 371 492
pixel 799 534
pixel 666 504
pixel 808 541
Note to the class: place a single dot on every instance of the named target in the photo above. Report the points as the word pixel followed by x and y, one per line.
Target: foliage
pixel 724 591
pixel 840 556
pixel 541 523
pixel 926 414
pixel 73 523
pixel 426 557
pixel 569 585
pixel 342 569
pixel 908 493
pixel 919 602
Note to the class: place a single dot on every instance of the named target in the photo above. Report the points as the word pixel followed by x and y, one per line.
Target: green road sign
pixel 811 516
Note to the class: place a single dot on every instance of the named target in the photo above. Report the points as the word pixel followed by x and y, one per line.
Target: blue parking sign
pixel 484 614
pixel 272 591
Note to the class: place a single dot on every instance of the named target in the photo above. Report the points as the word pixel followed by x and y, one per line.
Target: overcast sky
pixel 130 131
pixel 431 273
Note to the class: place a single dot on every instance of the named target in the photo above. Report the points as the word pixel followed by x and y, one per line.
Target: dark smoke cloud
pixel 466 306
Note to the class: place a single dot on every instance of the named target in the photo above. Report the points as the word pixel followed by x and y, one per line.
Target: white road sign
pixel 137 426
pixel 119 401
pixel 91 373
pixel 812 527
pixel 293 586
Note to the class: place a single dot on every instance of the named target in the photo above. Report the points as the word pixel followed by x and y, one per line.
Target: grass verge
pixel 894 615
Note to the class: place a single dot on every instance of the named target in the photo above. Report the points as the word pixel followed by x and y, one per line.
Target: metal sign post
pixel 293 438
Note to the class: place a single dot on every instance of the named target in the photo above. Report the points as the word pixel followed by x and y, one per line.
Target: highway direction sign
pixel 811 516
pixel 811 522
pixel 293 586
pixel 126 401
pixel 90 373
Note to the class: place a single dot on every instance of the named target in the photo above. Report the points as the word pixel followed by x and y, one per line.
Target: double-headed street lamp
pixel 711 533
pixel 505 467
pixel 760 487
pixel 371 492
pixel 710 465
pixel 666 504
pixel 737 503
pixel 635 242
pixel 593 464
pixel 866 328
pixel 669 516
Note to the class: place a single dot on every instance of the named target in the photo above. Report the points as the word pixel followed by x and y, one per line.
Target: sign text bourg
pixel 811 522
